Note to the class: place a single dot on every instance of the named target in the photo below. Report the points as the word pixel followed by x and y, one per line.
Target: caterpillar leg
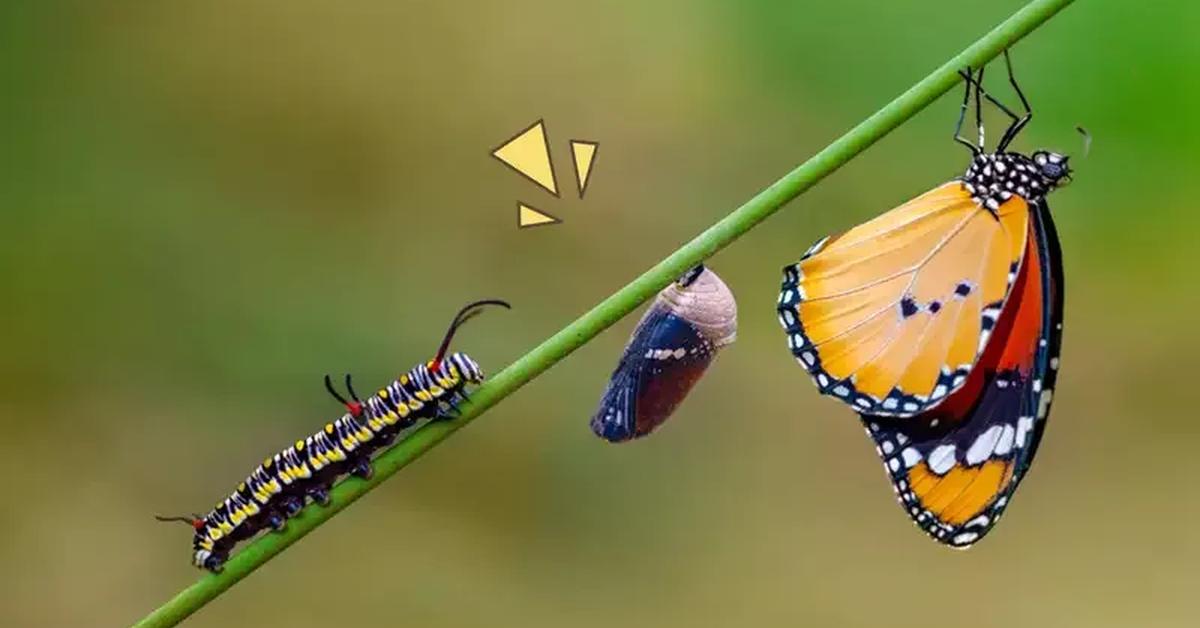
pixel 291 505
pixel 276 520
pixel 362 469
pixel 215 563
pixel 449 409
pixel 320 494
pixel 384 439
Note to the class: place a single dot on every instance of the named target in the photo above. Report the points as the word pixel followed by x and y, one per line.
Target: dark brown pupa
pixel 671 348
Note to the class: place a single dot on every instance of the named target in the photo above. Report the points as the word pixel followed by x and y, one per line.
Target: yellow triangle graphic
pixel 530 217
pixel 584 154
pixel 529 154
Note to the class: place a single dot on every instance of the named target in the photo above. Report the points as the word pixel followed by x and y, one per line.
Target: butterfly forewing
pixel 891 316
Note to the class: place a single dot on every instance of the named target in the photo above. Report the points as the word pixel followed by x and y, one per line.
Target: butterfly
pixel 940 323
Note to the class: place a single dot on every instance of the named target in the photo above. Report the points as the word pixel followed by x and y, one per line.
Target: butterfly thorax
pixel 993 178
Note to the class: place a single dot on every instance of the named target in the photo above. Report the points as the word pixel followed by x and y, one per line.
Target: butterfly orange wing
pixel 891 316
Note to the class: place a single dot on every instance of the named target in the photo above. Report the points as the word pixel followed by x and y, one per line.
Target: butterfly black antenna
pixel 329 387
pixel 466 313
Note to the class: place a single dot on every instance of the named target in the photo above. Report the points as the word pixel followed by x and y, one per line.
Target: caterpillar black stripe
pixel 280 486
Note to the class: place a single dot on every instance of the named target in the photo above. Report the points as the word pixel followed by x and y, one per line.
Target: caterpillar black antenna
pixel 191 521
pixel 350 389
pixel 466 313
pixel 336 395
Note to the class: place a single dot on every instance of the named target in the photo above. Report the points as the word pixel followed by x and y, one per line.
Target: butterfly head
pixel 1052 167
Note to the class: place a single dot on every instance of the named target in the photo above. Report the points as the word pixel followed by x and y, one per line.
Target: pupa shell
pixel 671 348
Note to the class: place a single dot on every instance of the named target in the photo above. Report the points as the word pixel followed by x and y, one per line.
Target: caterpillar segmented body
pixel 279 487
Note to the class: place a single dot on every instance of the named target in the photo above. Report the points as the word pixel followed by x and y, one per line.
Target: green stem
pixel 614 307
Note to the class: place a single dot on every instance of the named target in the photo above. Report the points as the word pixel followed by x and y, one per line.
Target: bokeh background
pixel 208 205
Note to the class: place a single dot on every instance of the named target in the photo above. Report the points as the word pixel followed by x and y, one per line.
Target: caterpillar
pixel 671 348
pixel 279 487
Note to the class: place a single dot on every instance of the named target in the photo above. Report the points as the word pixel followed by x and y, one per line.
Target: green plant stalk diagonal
pixel 624 301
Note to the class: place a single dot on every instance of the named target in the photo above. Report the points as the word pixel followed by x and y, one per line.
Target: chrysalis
pixel 672 346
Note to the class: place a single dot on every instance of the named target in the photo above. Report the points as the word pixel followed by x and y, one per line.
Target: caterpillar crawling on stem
pixel 279 487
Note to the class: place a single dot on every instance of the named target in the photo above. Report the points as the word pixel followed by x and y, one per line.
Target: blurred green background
pixel 208 205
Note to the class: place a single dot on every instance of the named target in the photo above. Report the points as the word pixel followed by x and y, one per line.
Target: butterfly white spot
pixel 982 448
pixel 679 353
pixel 965 538
pixel 941 459
pixel 822 380
pixel 901 438
pixel 841 391
pixel 911 457
pixel 1005 443
pixel 888 447
pixel 808 358
pixel 893 464
pixel 1037 385
pixel 1024 425
pixel 910 406
pixel 938 392
pixel 1044 403
pixel 1054 363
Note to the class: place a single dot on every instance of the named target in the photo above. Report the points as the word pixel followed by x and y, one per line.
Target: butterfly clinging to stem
pixel 940 322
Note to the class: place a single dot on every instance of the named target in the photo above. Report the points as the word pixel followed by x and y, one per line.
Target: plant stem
pixel 614 307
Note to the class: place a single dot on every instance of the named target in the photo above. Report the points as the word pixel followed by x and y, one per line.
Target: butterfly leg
pixel 962 114
pixel 1018 123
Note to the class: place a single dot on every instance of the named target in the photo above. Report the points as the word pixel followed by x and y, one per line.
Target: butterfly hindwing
pixel 955 468
pixel 665 357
